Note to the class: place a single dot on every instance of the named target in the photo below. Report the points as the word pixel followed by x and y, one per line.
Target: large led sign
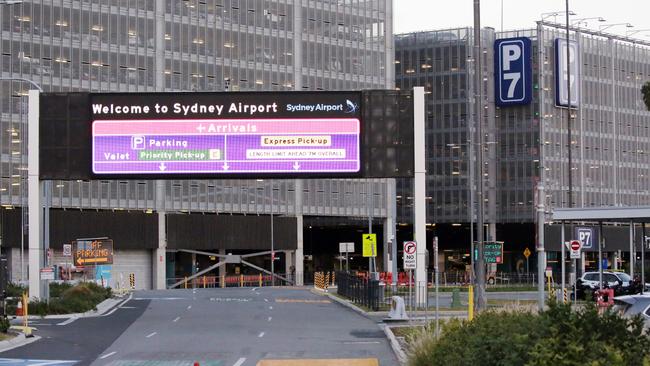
pixel 225 133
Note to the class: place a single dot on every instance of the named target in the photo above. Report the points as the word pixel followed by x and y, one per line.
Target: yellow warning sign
pixel 527 253
pixel 369 245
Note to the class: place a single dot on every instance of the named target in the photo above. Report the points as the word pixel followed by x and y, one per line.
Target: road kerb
pixel 394 344
pixel 321 362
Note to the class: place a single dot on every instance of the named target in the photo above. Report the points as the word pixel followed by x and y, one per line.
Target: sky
pixel 417 15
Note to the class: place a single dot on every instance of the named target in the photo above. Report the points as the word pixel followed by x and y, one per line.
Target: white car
pixel 611 279
pixel 631 305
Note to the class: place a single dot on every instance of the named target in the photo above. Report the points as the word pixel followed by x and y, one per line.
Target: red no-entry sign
pixel 575 245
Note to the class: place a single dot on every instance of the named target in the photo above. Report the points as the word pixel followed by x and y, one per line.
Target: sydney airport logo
pixel 348 107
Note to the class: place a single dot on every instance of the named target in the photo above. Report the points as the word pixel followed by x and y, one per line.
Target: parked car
pixel 632 305
pixel 621 282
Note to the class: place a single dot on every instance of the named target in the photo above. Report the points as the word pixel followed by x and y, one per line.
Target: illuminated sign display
pixel 218 133
pixel 93 252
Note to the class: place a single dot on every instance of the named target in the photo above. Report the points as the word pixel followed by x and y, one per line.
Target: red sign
pixel 575 245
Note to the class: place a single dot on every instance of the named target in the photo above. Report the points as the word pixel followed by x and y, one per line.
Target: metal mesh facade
pixel 526 145
pixel 175 45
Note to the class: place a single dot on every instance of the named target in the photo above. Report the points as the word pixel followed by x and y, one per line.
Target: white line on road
pixel 107 355
pixel 261 335
pixel 362 342
pixel 151 335
pixel 270 307
pixel 66 322
pixel 240 362
pixel 175 320
pixel 127 307
pixel 110 312
pixel 266 300
pixel 270 318
pixel 254 289
pixel 189 307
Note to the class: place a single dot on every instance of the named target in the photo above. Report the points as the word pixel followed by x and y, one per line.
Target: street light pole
pixel 481 301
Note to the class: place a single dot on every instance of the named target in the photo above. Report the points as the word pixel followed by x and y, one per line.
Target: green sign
pixel 493 252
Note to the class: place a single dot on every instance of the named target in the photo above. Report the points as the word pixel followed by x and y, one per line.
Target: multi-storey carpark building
pixel 525 147
pixel 196 45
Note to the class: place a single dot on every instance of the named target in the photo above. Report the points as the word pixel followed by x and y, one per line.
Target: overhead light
pixel 409 71
pixel 426 66
pixel 397 61
pixel 148 211
pixel 167 72
pixel 61 60
pixel 229 45
pixel 23 19
pixel 97 63
pixel 15 183
pixel 259 82
pixel 197 41
pixel 455 224
pixel 97 28
pixel 132 33
pixel 168 37
pixel 60 185
pixel 15 153
pixel 61 23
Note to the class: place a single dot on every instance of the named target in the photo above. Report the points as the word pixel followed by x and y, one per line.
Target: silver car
pixel 631 305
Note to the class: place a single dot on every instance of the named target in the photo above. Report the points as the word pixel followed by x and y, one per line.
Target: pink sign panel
pixel 213 146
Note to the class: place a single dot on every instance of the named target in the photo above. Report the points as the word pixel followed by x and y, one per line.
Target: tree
pixel 646 94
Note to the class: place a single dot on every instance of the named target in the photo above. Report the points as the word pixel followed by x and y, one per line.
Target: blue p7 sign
pixel 513 71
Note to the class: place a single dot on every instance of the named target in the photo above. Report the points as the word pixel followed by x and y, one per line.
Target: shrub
pixel 558 337
pixel 78 299
pixel 56 289
pixel 4 324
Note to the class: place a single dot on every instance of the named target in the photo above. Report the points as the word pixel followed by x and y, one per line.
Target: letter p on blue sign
pixel 513 71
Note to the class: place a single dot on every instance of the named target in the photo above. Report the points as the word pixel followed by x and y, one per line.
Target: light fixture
pixel 168 37
pixel 61 23
pixel 97 28
pixel 229 45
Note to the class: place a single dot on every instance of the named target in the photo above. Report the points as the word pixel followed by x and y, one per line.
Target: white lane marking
pixel 270 318
pixel 266 300
pixel 160 298
pixel 107 355
pixel 189 307
pixel 66 322
pixel 270 307
pixel 362 342
pixel 254 289
pixel 110 312
pixel 127 307
pixel 175 320
pixel 261 335
pixel 240 362
pixel 151 335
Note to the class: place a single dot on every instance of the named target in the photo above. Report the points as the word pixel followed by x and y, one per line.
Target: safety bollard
pixel 260 280
pixel 185 281
pixel 241 280
pixel 223 281
pixel 470 303
pixel 204 281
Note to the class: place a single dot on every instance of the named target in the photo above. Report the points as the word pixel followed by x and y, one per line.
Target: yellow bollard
pixel 470 303
pixel 223 281
pixel 260 280
pixel 241 280
pixel 185 281
pixel 204 281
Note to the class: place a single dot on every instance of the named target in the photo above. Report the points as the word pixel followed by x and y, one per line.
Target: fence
pixel 360 290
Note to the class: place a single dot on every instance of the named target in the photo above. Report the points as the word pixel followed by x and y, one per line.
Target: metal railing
pixel 360 290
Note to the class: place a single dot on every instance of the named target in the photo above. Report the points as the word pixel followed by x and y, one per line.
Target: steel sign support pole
pixel 563 258
pixel 34 207
pixel 419 197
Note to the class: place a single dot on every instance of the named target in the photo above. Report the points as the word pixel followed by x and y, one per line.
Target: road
pixel 218 327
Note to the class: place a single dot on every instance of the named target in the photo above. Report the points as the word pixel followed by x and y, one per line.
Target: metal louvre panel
pixel 120 55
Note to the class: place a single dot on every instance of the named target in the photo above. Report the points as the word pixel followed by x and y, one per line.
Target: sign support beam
pixel 419 199
pixel 34 204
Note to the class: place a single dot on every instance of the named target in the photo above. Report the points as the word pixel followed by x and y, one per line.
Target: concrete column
pixel 388 243
pixel 159 270
pixel 34 195
pixel 297 45
pixel 288 262
pixel 222 269
pixel 300 256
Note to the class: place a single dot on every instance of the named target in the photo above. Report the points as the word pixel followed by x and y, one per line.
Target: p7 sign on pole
pixel 513 71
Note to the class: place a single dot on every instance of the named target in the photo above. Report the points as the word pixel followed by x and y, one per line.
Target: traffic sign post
pixel 369 245
pixel 346 248
pixel 527 255
pixel 410 263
